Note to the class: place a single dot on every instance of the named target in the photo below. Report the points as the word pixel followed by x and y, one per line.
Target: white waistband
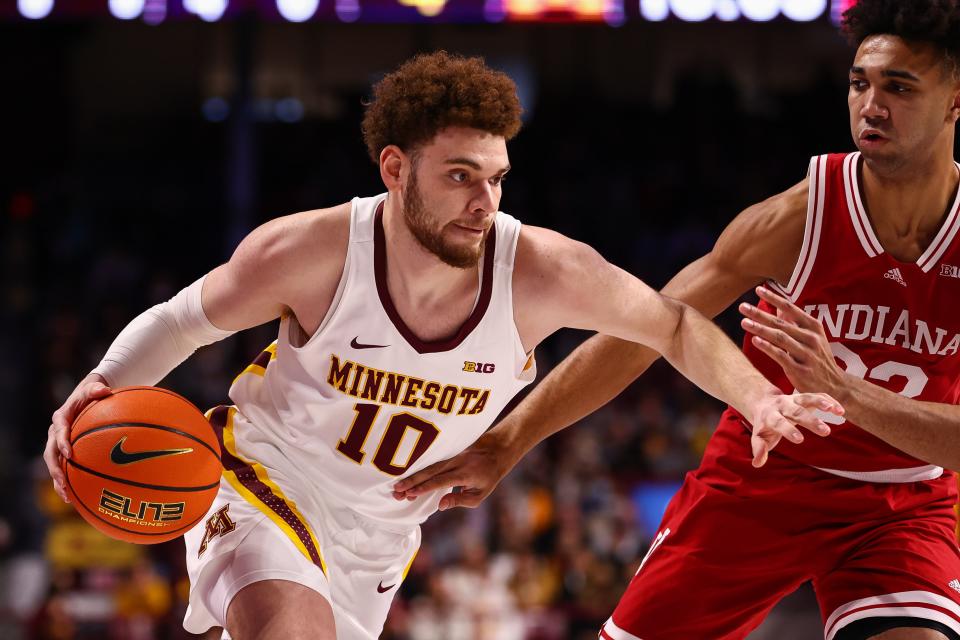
pixel 913 474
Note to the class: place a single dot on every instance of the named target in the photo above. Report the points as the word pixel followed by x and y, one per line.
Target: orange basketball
pixel 145 465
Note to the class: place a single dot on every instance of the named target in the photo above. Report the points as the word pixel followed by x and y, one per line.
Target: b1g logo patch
pixel 479 367
pixel 218 525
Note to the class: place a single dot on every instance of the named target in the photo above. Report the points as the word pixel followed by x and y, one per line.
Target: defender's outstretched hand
pixel 777 416
pixel 476 471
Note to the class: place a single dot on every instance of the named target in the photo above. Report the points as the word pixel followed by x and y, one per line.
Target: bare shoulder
pixel 318 234
pixel 292 263
pixel 545 260
pixel 765 239
pixel 293 257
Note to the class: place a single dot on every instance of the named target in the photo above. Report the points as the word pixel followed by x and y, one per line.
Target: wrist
pixel 845 389
pixel 506 438
pixel 754 394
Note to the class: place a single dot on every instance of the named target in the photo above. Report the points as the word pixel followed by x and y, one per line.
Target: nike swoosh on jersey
pixel 119 456
pixel 360 345
pixel 383 589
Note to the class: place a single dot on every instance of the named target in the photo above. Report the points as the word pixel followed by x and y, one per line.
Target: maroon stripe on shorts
pixel 248 478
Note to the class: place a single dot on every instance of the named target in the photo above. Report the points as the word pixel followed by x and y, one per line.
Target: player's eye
pixel 459 176
pixel 858 84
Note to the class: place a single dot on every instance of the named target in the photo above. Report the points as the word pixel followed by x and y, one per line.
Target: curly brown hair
pixel 933 21
pixel 431 92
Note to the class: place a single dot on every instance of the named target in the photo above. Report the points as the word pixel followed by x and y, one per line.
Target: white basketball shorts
pixel 257 532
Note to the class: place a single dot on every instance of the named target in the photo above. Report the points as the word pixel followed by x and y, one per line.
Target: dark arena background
pixel 141 139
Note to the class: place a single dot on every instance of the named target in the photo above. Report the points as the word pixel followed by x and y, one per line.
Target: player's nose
pixel 485 200
pixel 872 107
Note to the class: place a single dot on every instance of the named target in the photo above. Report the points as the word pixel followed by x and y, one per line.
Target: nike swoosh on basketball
pixel 360 345
pixel 383 589
pixel 119 456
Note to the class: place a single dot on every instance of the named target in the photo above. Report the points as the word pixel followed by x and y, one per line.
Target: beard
pixel 430 236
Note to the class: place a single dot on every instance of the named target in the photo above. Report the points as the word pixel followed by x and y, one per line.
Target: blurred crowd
pixel 90 239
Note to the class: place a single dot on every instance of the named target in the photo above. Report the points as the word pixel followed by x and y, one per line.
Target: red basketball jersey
pixel 892 323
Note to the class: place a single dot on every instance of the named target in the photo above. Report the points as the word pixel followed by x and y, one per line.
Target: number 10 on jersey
pixel 393 436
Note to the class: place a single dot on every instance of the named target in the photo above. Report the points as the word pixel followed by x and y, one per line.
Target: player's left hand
pixel 472 475
pixel 795 341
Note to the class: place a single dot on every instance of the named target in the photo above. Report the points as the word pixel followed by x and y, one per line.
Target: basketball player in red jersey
pixel 386 305
pixel 869 246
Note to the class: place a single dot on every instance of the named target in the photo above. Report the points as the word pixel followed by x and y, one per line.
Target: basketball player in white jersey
pixel 408 321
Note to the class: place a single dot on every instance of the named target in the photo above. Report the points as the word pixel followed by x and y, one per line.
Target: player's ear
pixel 392 160
pixel 955 109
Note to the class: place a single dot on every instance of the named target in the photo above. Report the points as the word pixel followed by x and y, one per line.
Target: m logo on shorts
pixel 219 524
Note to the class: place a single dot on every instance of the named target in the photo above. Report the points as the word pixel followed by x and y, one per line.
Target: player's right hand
pixel 776 415
pixel 91 388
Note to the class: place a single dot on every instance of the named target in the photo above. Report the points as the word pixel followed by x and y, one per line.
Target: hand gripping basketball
pixel 144 464
pixel 91 388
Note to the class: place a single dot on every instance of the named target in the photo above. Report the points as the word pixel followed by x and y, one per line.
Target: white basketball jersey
pixel 363 402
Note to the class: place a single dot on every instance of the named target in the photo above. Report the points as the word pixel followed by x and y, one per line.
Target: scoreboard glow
pixel 613 12
pixel 756 10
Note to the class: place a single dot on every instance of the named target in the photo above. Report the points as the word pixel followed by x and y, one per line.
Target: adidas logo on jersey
pixel 895 275
pixel 950 271
pixel 955 585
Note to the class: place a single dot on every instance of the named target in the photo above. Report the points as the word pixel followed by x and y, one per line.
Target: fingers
pixel 791 412
pixel 443 481
pixel 786 428
pixel 97 390
pixel 52 460
pixel 776 354
pixel 793 346
pixel 757 319
pixel 761 450
pixel 60 432
pixel 423 475
pixel 822 401
pixel 807 419
pixel 469 498
pixel 58 435
pixel 766 437
pixel 788 309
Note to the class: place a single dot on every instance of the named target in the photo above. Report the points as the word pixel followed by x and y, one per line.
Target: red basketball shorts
pixel 735 540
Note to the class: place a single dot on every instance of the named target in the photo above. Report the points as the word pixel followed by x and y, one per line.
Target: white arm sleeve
pixel 159 339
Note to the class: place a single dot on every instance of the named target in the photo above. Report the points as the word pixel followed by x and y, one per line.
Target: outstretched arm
pixel 586 292
pixel 603 366
pixel 761 243
pixel 595 373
